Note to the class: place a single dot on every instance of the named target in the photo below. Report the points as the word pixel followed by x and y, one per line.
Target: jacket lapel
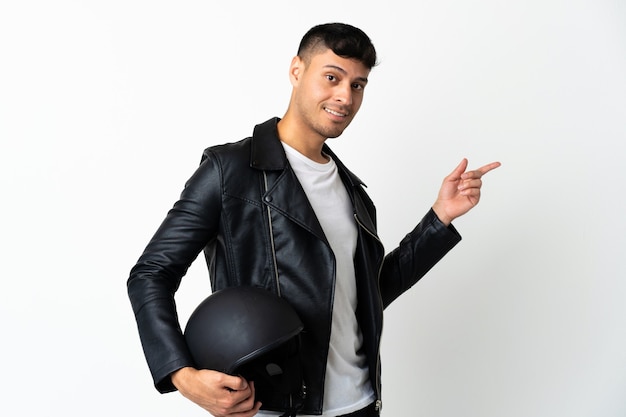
pixel 283 191
pixel 360 200
pixel 286 196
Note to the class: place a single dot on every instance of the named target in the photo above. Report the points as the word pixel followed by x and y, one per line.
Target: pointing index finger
pixel 486 168
pixel 478 173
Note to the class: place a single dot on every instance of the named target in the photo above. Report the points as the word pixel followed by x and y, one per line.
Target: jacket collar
pixel 267 152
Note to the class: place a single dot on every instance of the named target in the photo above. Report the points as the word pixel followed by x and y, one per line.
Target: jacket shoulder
pixel 261 151
pixel 239 150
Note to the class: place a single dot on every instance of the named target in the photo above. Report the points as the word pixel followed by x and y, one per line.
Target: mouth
pixel 335 113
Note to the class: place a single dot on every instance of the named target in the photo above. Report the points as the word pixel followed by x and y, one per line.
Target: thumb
pixel 236 383
pixel 458 171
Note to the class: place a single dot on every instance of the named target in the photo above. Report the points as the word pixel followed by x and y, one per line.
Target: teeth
pixel 334 112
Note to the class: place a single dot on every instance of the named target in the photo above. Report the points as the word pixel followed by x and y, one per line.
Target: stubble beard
pixel 329 129
pixel 319 123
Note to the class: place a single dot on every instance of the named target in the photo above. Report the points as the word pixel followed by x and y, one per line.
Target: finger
pixel 235 383
pixel 257 407
pixel 478 173
pixel 244 406
pixel 471 192
pixel 247 404
pixel 458 171
pixel 249 413
pixel 485 169
pixel 471 183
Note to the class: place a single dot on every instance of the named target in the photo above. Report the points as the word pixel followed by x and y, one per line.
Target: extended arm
pixel 434 236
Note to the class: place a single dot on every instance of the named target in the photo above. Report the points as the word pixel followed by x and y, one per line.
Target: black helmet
pixel 251 332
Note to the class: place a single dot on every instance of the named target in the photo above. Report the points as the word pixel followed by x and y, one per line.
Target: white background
pixel 105 108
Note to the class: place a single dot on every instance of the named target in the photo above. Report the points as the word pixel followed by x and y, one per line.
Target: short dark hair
pixel 344 40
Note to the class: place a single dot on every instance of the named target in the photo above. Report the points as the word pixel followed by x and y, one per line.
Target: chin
pixel 334 132
pixel 333 135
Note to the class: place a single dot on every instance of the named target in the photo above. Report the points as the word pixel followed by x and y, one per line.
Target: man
pixel 280 211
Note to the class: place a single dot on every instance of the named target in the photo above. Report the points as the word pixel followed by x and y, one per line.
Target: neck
pixel 307 143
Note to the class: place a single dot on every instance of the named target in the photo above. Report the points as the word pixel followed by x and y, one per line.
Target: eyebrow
pixel 341 70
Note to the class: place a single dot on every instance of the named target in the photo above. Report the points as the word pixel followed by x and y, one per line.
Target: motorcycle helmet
pixel 254 333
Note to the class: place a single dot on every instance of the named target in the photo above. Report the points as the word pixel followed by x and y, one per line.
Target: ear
pixel 295 70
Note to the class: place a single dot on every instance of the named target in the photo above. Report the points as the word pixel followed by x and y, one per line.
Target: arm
pixel 434 236
pixel 417 253
pixel 188 227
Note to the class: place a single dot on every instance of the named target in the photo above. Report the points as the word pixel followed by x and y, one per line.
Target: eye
pixel 358 86
pixel 331 77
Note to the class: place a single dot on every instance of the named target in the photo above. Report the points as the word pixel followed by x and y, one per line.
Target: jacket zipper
pixel 379 403
pixel 271 230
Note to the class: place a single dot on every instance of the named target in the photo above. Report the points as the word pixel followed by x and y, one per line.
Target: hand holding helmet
pixel 218 393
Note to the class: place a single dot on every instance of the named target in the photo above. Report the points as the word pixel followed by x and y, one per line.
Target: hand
pixel 460 191
pixel 218 393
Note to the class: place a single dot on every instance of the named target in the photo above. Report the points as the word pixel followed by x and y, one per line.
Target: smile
pixel 335 113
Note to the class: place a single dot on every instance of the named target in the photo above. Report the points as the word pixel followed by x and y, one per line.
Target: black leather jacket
pixel 246 209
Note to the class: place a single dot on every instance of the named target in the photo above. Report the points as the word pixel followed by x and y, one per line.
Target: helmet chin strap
pixel 297 405
pixel 278 374
pixel 290 413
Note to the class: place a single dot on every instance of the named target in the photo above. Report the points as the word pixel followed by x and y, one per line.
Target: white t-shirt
pixel 347 387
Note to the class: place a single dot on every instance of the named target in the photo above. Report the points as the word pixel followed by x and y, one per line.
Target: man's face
pixel 328 92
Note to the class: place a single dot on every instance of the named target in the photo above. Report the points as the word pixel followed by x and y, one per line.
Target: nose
pixel 343 94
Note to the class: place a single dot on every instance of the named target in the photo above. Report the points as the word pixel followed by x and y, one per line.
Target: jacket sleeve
pixel 188 227
pixel 417 253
